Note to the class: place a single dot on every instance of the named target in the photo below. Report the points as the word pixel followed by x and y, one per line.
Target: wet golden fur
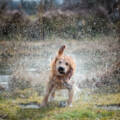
pixel 57 81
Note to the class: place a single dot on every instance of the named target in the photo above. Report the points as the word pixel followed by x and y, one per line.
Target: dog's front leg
pixel 49 90
pixel 52 94
pixel 70 92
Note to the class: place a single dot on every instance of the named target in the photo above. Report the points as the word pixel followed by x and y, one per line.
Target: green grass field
pixel 83 109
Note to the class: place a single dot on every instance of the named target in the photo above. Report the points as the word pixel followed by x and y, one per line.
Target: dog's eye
pixel 66 63
pixel 60 62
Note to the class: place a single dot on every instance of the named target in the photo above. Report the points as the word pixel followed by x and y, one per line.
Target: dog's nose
pixel 61 69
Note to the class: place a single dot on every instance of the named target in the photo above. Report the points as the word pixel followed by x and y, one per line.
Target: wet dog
pixel 62 69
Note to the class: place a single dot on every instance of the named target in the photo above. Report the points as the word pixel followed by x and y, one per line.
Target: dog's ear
pixel 59 54
pixel 70 73
pixel 72 69
pixel 61 50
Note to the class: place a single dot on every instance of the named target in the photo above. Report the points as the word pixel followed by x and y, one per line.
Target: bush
pixel 73 24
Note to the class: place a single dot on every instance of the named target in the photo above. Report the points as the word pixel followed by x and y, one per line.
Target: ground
pixel 82 109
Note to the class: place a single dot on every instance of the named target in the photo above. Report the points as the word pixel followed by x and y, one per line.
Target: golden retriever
pixel 62 69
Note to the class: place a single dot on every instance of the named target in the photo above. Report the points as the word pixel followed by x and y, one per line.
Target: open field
pixel 29 60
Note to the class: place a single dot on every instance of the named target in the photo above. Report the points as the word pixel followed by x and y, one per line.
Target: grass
pixel 81 110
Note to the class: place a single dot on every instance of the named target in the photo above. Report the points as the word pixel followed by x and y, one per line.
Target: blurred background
pixel 31 31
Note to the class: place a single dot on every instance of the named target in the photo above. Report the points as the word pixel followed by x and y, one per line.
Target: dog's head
pixel 63 65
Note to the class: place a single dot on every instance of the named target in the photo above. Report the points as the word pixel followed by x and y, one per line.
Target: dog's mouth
pixel 61 72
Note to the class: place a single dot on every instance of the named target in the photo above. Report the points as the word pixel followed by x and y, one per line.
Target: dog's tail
pixel 61 50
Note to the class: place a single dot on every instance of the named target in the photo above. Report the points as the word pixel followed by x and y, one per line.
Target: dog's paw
pixel 51 99
pixel 70 105
pixel 43 105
